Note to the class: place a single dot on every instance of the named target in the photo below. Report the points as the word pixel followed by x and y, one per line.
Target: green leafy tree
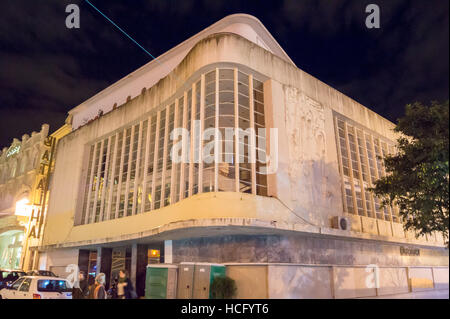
pixel 418 175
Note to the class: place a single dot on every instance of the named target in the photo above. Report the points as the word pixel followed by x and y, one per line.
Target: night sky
pixel 47 69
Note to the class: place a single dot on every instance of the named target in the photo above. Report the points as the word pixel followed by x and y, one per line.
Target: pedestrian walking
pixel 81 290
pixel 97 290
pixel 125 288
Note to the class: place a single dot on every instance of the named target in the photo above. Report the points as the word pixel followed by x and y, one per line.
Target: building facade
pixel 24 170
pixel 144 177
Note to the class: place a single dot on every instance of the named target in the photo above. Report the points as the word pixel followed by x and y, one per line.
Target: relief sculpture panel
pixel 311 178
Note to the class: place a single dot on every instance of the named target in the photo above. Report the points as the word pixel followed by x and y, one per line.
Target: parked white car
pixel 37 287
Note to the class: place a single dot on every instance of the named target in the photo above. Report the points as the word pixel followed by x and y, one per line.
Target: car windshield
pixel 46 285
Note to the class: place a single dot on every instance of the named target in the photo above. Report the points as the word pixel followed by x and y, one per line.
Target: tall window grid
pixel 361 164
pixel 131 171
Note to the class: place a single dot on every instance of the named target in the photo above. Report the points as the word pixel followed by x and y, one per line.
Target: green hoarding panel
pixel 156 283
pixel 216 271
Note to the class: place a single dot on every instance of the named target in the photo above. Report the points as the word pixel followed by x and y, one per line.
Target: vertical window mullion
pixel 119 183
pixel 146 161
pixel 173 174
pixel 374 155
pixel 236 129
pixel 130 158
pixel 369 175
pixel 371 159
pixel 100 156
pixel 252 145
pixel 341 171
pixel 155 160
pixel 360 177
pixel 137 171
pixel 217 138
pixel 200 137
pixel 111 189
pixel 262 147
pixel 192 144
pixel 164 167
pixel 375 158
pixel 105 178
pixel 91 180
pixel 182 176
pixel 355 205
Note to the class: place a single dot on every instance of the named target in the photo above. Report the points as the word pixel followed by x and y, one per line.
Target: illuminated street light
pixel 22 208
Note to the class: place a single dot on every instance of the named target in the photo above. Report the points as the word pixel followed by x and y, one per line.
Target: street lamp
pixel 22 208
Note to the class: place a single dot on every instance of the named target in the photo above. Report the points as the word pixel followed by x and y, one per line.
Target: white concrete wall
pixel 291 281
pixel 420 278
pixel 440 278
pixel 58 260
pixel 251 281
pixel 393 281
pixel 353 282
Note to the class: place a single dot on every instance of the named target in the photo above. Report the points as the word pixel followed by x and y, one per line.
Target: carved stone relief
pixel 308 171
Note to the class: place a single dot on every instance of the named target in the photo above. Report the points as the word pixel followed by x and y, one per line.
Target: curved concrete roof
pixel 146 76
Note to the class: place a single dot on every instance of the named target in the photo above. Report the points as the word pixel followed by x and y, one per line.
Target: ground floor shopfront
pixel 12 234
pixel 272 263
pixel 11 249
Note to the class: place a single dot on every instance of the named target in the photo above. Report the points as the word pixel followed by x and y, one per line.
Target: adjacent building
pixel 24 174
pixel 287 209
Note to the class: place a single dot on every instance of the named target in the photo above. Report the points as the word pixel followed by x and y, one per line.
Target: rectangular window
pixel 51 285
pixel 361 164
pixel 131 170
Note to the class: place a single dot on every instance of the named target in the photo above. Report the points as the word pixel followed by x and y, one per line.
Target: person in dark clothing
pixel 112 292
pixel 125 288
pixel 81 290
pixel 91 287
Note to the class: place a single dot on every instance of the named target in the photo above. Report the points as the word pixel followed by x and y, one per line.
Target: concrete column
pixel 138 267
pixel 83 261
pixel 168 252
pixel 134 253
